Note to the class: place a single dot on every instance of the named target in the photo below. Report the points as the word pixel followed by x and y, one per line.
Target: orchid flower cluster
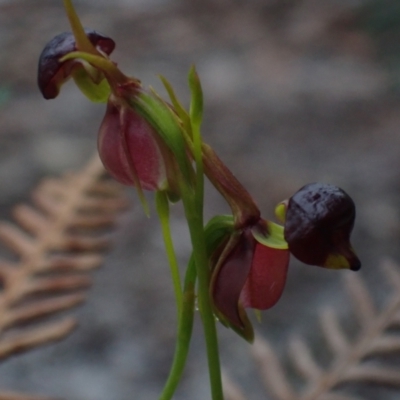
pixel 240 260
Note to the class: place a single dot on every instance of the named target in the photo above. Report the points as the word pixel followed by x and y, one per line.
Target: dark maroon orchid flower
pixel 249 265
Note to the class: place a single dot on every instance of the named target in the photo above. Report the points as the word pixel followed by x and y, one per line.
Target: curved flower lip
pixel 319 219
pixel 51 72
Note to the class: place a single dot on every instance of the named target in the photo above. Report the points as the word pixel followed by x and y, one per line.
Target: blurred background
pixel 295 92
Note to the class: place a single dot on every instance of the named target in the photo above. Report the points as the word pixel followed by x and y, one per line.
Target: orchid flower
pixel 249 264
pixel 140 141
pixel 239 261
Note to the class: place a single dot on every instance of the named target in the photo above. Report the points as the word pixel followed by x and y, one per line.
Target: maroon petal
pixel 51 72
pixel 267 277
pixel 230 278
pixel 141 154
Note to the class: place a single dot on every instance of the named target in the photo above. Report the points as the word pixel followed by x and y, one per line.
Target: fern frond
pixel 349 365
pixel 303 359
pixel 271 370
pixel 57 241
pixel 231 390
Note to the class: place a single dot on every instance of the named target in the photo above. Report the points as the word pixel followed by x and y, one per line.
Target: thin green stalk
pixel 195 222
pixel 185 327
pixel 193 204
pixel 193 198
pixel 163 213
pixel 196 114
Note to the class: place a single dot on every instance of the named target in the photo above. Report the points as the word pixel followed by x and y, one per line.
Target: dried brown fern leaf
pixel 57 241
pixel 18 396
pixel 231 390
pixel 349 364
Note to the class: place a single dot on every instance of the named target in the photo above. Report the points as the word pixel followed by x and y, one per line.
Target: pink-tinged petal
pixel 267 278
pixel 141 155
pixel 230 278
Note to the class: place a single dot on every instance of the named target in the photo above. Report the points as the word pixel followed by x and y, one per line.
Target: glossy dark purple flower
pixel 319 219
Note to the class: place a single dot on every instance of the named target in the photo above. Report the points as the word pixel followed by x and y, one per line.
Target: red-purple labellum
pixel 267 278
pixel 51 72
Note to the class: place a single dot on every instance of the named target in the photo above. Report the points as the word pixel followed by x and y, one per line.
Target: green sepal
pixel 180 110
pixel 82 41
pixel 196 102
pixel 274 237
pixel 196 114
pixel 166 123
pixel 96 92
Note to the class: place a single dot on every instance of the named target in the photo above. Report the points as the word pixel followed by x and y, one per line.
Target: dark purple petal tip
pixel 51 73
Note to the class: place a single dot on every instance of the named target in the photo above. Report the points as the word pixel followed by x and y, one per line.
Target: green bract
pixel 165 122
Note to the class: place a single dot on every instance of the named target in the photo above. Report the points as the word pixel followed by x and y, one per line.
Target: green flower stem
pixel 185 327
pixel 199 194
pixel 163 213
pixel 193 204
pixel 195 118
pixel 195 222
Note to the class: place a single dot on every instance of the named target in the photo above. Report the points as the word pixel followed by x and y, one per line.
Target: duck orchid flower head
pixel 319 219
